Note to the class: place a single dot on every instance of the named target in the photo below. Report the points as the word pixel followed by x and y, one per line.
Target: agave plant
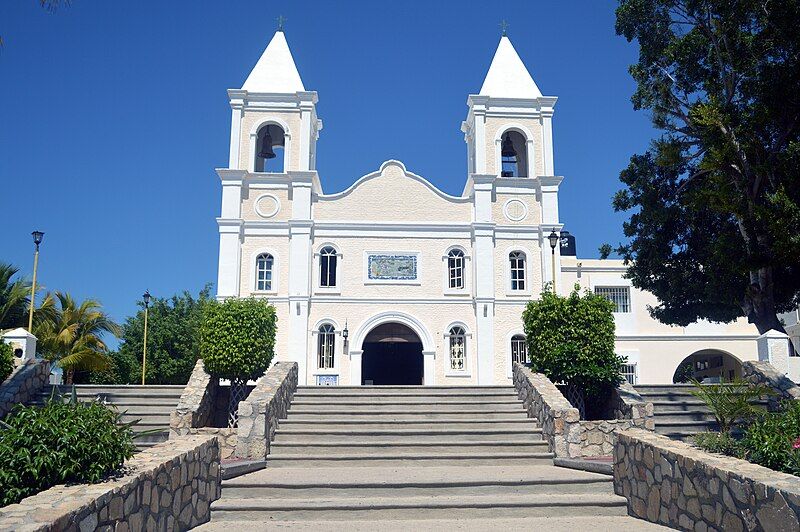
pixel 731 401
pixel 72 336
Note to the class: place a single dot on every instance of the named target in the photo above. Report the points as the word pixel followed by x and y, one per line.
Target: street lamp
pixel 554 239
pixel 345 334
pixel 37 239
pixel 146 298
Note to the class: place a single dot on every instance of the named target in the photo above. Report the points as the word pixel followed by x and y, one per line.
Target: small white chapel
pixel 393 281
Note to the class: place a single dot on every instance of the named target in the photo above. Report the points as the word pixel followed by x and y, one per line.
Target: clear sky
pixel 113 116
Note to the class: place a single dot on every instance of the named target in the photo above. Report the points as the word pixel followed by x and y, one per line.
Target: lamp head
pixel 553 238
pixel 146 296
pixel 37 237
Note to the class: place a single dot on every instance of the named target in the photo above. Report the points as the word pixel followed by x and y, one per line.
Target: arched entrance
pixel 392 355
pixel 709 365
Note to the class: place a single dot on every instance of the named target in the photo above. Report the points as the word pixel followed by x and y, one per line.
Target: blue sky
pixel 113 116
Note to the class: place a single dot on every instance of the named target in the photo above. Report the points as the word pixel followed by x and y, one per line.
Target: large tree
pixel 172 342
pixel 714 227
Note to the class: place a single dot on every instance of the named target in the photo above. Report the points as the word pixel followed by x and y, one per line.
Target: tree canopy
pixel 714 203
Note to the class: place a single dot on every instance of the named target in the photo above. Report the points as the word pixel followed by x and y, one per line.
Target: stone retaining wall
pixel 765 373
pixel 259 413
pixel 195 407
pixel 24 383
pixel 675 484
pixel 562 428
pixel 167 487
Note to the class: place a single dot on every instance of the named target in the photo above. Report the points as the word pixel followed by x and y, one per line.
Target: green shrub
pixel 718 442
pixel 41 446
pixel 731 402
pixel 571 340
pixel 237 342
pixel 6 360
pixel 773 439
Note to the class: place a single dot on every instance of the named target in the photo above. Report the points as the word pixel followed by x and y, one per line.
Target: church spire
pixel 275 71
pixel 507 76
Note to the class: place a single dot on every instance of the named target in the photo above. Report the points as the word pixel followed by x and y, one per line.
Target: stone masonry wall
pixel 23 384
pixel 675 484
pixel 562 428
pixel 259 413
pixel 765 373
pixel 167 487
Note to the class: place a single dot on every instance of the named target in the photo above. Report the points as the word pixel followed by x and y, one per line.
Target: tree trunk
pixel 759 301
pixel 69 376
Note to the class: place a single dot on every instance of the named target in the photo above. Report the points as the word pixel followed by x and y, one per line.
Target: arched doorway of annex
pixel 708 365
pixel 392 356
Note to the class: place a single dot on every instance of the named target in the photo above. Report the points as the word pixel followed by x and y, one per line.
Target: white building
pixel 393 281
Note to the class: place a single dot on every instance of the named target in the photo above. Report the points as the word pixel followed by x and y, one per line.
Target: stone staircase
pixel 678 414
pixel 150 404
pixel 405 457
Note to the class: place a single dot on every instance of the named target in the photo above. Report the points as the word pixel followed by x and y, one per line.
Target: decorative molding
pixel 272 210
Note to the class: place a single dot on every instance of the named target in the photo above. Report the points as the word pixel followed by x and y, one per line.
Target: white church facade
pixel 393 281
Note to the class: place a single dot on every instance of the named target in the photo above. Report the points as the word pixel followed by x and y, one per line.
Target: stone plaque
pixel 392 267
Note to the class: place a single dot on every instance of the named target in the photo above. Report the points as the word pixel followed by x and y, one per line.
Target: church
pixel 393 281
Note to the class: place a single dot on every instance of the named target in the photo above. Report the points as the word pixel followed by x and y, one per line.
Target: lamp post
pixel 37 239
pixel 553 238
pixel 345 334
pixel 146 298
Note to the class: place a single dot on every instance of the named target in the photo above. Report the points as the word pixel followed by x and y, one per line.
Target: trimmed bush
pixel 237 342
pixel 6 360
pixel 571 340
pixel 59 443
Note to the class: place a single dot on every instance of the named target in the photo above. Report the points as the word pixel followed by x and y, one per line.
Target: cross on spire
pixel 504 27
pixel 281 19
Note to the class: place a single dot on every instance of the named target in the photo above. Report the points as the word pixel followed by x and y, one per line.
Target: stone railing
pixel 675 484
pixel 23 384
pixel 765 373
pixel 562 428
pixel 196 411
pixel 167 487
pixel 260 412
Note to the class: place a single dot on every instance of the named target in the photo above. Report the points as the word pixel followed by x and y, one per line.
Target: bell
pixel 507 149
pixel 266 147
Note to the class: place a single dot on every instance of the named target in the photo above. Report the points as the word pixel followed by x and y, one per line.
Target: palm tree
pixel 72 334
pixel 13 298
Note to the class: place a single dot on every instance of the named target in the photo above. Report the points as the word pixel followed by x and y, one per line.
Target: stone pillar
pixel 773 347
pixel 23 343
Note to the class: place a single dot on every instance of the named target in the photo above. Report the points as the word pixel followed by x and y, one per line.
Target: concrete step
pixel 379 508
pixel 451 458
pixel 678 416
pixel 475 425
pixel 595 523
pixel 399 415
pixel 684 427
pixel 429 436
pixel 681 404
pixel 466 401
pixel 457 392
pixel 401 389
pixel 418 406
pixel 406 447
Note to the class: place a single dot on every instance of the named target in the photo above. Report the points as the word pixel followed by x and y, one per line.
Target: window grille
pixel 458 349
pixel 325 346
pixel 629 372
pixel 455 268
pixel 517 262
pixel 264 266
pixel 519 350
pixel 327 267
pixel 619 295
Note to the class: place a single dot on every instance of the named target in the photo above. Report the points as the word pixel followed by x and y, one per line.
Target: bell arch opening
pixel 513 154
pixel 708 365
pixel 392 355
pixel 270 143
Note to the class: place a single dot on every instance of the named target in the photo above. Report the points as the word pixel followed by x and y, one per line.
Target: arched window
pixel 519 350
pixel 270 142
pixel 513 155
pixel 264 268
pixel 458 348
pixel 517 263
pixel 327 267
pixel 325 346
pixel 455 269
